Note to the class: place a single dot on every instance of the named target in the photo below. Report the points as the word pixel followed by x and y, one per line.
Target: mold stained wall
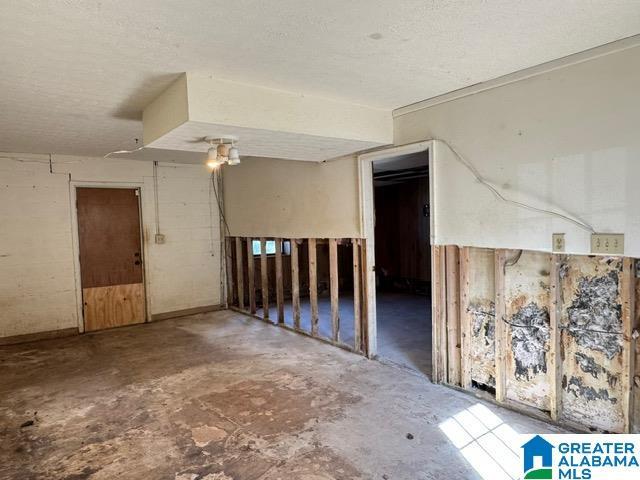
pixel 37 274
pixel 592 342
pixel 566 139
pixel 292 199
pixel 482 312
pixel 528 334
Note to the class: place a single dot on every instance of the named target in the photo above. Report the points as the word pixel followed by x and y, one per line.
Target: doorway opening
pixel 403 259
pixel 111 257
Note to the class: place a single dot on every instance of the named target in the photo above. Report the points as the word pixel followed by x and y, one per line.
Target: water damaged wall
pixel 526 282
pixel 481 308
pixel 565 346
pixel 592 341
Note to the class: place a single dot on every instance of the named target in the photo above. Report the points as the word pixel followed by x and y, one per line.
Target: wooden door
pixel 110 257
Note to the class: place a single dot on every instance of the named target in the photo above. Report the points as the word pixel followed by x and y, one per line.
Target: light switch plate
pixel 159 238
pixel 607 243
pixel 557 242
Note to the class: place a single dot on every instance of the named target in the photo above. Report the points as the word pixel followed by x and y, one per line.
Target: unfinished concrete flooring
pixel 221 396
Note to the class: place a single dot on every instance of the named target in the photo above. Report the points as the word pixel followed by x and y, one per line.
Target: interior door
pixel 110 257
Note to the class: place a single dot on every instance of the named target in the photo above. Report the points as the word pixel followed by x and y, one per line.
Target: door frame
pixel 75 240
pixel 367 223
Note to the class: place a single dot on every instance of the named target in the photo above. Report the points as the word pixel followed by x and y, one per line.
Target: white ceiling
pixel 76 74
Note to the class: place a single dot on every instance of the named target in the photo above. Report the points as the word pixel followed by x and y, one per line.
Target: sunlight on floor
pixel 489 445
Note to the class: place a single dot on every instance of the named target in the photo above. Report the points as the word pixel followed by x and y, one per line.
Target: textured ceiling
pixel 76 74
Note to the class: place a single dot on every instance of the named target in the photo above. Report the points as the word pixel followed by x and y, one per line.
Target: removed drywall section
pixel 37 275
pixel 481 309
pixel 526 280
pixel 565 140
pixel 267 197
pixel 593 342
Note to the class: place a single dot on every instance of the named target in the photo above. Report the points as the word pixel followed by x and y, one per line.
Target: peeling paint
pixel 595 315
pixel 529 339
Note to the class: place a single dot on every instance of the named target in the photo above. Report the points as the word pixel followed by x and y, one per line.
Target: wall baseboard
pixel 68 332
pixel 33 337
pixel 188 311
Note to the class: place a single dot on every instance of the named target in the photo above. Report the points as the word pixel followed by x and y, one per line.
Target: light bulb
pixel 234 156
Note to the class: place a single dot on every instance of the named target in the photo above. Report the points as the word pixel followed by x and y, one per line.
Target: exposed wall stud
pixel 229 270
pixel 453 315
pixel 555 343
pixel 240 272
pixel 357 332
pixel 628 321
pixel 500 330
pixel 279 281
pixel 313 286
pixel 251 264
pixel 334 278
pixel 439 314
pixel 465 318
pixel 295 284
pixel 264 273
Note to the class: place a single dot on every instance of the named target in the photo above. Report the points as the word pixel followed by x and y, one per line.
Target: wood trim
pixel 357 332
pixel 295 283
pixel 313 285
pixel 38 336
pixel 156 317
pixel 240 272
pixel 500 330
pixel 627 293
pixel 334 287
pixel 279 281
pixel 465 319
pixel 251 267
pixel 264 274
pixel 555 343
pixel 453 315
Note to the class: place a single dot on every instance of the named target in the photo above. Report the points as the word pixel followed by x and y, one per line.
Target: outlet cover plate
pixel 557 242
pixel 607 243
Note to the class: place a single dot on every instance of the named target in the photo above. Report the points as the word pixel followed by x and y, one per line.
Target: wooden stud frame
pixel 251 266
pixel 465 319
pixel 295 284
pixel 500 330
pixel 264 275
pixel 439 314
pixel 313 286
pixel 240 272
pixel 247 287
pixel 334 287
pixel 279 281
pixel 555 343
pixel 629 351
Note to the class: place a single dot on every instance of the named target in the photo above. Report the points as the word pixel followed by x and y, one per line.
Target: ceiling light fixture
pixel 222 150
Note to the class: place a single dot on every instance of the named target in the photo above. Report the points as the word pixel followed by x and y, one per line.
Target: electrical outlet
pixel 607 243
pixel 557 242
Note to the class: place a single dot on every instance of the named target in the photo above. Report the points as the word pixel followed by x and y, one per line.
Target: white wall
pixel 293 199
pixel 38 278
pixel 567 140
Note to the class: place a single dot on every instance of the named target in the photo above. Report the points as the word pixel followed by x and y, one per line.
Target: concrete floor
pixel 404 329
pixel 404 325
pixel 222 396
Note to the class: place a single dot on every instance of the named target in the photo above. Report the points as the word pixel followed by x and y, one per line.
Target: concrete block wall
pixel 38 274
